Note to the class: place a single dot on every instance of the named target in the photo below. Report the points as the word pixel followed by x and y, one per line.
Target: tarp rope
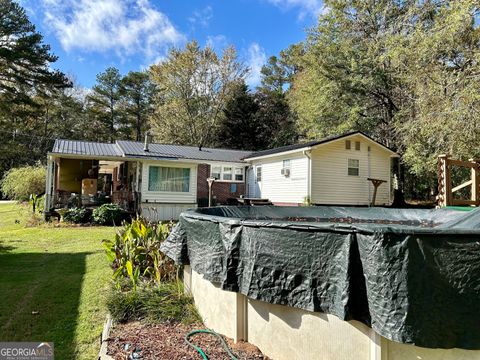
pixel 199 349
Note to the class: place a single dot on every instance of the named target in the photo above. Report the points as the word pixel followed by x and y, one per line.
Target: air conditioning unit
pixel 285 172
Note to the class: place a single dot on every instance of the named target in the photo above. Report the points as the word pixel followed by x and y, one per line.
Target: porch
pixel 89 183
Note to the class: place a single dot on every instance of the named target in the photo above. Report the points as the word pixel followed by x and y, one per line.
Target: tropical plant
pixel 108 214
pixel 135 253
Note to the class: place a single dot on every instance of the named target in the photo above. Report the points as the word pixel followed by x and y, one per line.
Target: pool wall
pixel 283 332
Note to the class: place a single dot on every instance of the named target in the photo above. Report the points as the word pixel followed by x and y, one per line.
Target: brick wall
pixel 221 191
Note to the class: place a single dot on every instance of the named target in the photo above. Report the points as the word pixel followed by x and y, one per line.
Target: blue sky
pixel 90 35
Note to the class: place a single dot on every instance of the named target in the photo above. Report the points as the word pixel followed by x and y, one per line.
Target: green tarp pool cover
pixel 411 275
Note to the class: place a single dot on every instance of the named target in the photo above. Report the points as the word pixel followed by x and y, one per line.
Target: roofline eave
pixel 141 159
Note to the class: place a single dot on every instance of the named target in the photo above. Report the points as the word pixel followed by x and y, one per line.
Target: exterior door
pixel 258 181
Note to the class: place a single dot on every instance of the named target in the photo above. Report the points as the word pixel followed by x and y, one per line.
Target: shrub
pixel 166 302
pixel 108 214
pixel 20 183
pixel 135 253
pixel 77 215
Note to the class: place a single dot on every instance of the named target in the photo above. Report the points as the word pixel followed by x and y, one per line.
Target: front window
pixel 216 172
pixel 169 179
pixel 353 167
pixel 227 173
pixel 238 174
pixel 286 164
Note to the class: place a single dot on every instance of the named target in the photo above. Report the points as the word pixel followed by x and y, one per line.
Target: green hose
pixel 199 349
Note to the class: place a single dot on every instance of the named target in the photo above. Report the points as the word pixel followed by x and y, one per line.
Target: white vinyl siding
pixel 278 188
pixel 331 183
pixel 164 212
pixel 171 197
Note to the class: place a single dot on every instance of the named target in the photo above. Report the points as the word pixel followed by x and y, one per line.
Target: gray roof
pixel 282 149
pixel 77 147
pixel 162 151
pixel 134 149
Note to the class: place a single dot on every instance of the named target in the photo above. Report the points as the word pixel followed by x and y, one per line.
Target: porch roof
pixel 78 147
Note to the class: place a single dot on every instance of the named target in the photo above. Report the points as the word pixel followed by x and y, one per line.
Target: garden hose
pixel 199 349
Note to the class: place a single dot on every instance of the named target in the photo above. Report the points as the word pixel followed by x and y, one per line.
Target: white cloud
pixel 124 26
pixel 217 42
pixel 202 17
pixel 311 7
pixel 255 60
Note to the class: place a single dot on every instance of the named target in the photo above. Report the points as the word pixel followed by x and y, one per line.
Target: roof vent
pixel 145 146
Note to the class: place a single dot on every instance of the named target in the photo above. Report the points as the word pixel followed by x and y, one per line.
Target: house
pixel 161 180
pixel 331 171
pixel 158 180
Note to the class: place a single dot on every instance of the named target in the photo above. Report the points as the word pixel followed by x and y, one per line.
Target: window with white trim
pixel 168 179
pixel 238 174
pixel 259 174
pixel 353 167
pixel 216 172
pixel 286 164
pixel 228 173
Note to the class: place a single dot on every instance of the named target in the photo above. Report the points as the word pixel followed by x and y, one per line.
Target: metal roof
pixel 78 147
pixel 162 151
pixel 134 149
pixel 282 149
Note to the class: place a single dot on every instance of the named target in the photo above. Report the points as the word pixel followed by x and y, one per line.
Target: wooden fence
pixel 446 188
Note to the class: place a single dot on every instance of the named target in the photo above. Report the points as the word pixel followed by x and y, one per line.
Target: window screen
pixel 216 172
pixel 238 174
pixel 168 179
pixel 259 174
pixel 227 173
pixel 353 167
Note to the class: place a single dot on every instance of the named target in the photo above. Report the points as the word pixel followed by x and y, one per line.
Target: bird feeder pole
pixel 210 181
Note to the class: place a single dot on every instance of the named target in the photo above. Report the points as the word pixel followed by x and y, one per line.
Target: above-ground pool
pixel 413 276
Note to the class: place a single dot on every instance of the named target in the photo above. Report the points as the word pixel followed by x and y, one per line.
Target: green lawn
pixel 52 284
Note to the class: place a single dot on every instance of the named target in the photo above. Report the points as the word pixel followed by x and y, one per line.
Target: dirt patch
pixel 135 340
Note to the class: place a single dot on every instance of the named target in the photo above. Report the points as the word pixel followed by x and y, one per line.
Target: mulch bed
pixel 135 340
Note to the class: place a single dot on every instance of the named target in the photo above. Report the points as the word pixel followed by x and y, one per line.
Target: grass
pixel 53 282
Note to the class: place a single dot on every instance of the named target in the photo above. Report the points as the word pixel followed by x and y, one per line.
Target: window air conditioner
pixel 285 172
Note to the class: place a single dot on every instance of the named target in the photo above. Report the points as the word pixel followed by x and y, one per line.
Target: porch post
pixel 48 186
pixel 475 177
pixel 444 182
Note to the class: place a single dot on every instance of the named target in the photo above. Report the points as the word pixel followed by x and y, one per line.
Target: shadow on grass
pixel 6 248
pixel 41 295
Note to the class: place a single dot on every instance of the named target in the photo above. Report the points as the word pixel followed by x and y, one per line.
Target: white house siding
pixel 168 196
pixel 331 183
pixel 278 188
pixel 164 212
